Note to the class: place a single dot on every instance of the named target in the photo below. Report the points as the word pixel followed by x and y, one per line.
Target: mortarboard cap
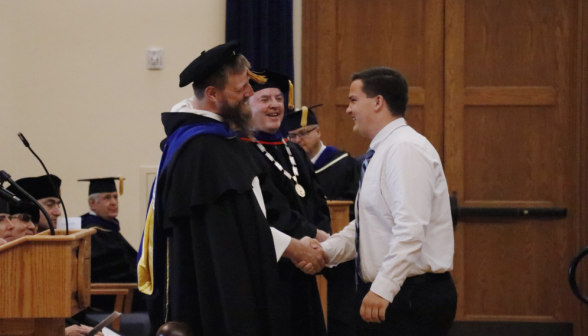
pixel 103 185
pixel 275 80
pixel 300 118
pixel 38 187
pixel 3 206
pixel 26 208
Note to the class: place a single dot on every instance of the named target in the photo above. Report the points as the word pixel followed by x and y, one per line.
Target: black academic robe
pixel 298 217
pixel 114 260
pixel 223 277
pixel 339 175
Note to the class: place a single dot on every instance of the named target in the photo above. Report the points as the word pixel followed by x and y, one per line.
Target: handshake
pixel 307 254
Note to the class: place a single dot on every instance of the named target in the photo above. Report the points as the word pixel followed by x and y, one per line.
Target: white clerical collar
pixel 386 131
pixel 187 107
pixel 92 213
pixel 316 157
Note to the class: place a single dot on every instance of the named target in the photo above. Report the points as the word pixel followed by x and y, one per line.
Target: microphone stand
pixel 55 190
pixel 5 177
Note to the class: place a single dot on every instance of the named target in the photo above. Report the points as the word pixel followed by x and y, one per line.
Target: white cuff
pixel 281 242
pixel 385 288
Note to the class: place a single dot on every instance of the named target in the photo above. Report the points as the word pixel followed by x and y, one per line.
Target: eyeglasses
pixel 22 216
pixel 302 134
pixel 3 218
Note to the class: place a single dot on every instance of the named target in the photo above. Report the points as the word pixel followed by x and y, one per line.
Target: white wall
pixel 73 79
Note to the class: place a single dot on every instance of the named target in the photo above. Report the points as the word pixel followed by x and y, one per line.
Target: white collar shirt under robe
pixel 404 213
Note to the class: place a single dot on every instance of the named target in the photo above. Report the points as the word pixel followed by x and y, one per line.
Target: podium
pixel 43 280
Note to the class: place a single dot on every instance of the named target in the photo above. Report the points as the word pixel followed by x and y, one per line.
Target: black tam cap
pixel 3 206
pixel 275 80
pixel 300 118
pixel 26 208
pixel 39 187
pixel 103 185
pixel 209 62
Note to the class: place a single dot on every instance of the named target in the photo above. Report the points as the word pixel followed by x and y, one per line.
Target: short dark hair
pixel 388 83
pixel 220 78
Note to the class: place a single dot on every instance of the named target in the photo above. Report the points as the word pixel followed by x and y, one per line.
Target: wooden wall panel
pixel 510 141
pixel 342 37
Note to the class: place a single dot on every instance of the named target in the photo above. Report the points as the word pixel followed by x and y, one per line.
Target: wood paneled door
pixel 341 37
pixel 499 87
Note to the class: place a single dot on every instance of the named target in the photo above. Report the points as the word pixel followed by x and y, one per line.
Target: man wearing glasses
pixel 5 223
pixel 338 174
pixel 41 188
pixel 337 171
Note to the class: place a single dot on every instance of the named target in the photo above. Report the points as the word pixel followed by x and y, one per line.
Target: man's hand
pixel 321 235
pixel 308 252
pixel 373 308
pixel 79 331
pixel 74 331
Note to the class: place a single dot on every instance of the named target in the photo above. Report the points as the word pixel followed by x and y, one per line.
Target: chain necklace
pixel 294 176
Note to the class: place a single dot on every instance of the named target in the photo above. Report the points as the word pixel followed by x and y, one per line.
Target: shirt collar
pixel 316 157
pixel 385 132
pixel 187 107
pixel 92 213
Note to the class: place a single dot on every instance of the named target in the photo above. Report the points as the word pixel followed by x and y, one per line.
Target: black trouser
pixel 425 305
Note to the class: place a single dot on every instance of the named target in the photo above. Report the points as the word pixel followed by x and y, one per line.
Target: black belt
pixel 424 278
pixel 427 278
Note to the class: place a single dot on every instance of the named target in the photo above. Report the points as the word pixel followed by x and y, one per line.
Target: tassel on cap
pixel 304 119
pixel 121 185
pixel 291 96
pixel 257 78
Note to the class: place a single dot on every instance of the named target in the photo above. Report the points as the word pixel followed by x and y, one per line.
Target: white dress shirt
pixel 281 240
pixel 316 157
pixel 404 213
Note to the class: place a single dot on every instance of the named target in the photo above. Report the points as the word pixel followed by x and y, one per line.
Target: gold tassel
pixel 121 185
pixel 291 96
pixel 304 119
pixel 258 78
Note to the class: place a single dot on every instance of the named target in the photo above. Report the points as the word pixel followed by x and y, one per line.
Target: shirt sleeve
pixel 281 242
pixel 340 247
pixel 407 185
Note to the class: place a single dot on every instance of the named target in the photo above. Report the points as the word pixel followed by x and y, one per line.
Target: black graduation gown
pixel 223 277
pixel 340 180
pixel 114 260
pixel 297 217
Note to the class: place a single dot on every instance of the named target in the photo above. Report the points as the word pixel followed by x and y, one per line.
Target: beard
pixel 238 116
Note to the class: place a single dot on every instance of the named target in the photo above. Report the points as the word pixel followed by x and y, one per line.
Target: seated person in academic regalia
pixel 5 223
pixel 113 258
pixel 338 174
pixel 46 191
pixel 297 205
pixel 23 216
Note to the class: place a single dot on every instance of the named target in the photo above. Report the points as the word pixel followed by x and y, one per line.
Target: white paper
pixel 108 332
pixel 75 223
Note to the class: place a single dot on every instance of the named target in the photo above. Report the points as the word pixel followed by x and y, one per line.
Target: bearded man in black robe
pixel 208 256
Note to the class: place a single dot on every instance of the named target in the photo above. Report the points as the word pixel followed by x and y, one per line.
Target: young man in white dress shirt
pixel 402 237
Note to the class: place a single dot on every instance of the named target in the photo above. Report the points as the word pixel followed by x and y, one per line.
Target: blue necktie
pixel 366 161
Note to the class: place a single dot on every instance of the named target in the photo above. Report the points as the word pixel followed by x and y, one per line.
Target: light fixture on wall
pixel 155 59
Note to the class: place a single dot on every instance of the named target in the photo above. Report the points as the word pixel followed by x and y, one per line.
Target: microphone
pixel 8 196
pixel 5 177
pixel 27 145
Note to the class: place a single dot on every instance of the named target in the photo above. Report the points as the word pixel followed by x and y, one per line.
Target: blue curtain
pixel 264 29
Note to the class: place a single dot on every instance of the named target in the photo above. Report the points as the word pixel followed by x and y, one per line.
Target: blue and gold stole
pixel 174 142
